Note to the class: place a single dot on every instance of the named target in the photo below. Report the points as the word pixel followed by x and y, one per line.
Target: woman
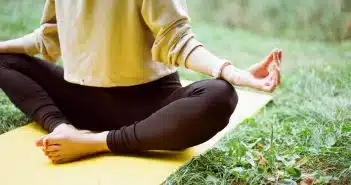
pixel 119 78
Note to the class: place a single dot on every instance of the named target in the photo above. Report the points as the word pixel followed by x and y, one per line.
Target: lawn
pixel 303 135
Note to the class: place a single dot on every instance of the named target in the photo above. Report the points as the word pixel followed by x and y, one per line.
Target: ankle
pixel 62 126
pixel 101 141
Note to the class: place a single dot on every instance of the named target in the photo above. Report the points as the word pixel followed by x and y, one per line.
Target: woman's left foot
pixel 67 144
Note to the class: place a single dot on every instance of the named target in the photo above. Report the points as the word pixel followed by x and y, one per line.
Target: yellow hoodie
pixel 106 43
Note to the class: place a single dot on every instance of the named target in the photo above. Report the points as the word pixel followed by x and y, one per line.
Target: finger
pixel 273 85
pixel 278 76
pixel 270 83
pixel 279 57
pixel 270 77
pixel 275 80
pixel 269 59
pixel 277 73
pixel 265 88
pixel 276 57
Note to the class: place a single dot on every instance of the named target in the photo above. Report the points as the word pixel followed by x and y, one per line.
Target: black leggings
pixel 160 115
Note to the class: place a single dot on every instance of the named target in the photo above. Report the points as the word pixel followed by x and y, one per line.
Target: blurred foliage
pixel 327 20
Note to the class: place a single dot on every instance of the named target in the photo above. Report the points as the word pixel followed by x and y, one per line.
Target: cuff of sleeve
pixel 188 48
pixel 29 42
pixel 123 140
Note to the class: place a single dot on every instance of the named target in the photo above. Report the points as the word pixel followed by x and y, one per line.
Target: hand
pixel 2 47
pixel 258 76
pixel 261 70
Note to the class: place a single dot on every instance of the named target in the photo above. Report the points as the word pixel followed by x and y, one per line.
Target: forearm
pixel 12 46
pixel 203 61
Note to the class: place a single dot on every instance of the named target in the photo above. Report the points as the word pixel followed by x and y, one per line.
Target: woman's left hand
pixel 258 76
pixel 261 69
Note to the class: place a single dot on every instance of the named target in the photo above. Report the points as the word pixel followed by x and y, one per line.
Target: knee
pixel 222 101
pixel 9 60
pixel 217 100
pixel 222 96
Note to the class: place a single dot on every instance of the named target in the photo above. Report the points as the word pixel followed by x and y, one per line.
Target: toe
pixel 52 154
pixel 55 159
pixel 39 141
pixel 59 161
pixel 63 160
pixel 53 148
pixel 55 139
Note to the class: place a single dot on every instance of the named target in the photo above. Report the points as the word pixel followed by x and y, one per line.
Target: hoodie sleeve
pixel 169 22
pixel 45 39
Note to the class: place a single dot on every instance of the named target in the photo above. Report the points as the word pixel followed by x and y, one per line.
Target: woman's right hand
pixel 12 46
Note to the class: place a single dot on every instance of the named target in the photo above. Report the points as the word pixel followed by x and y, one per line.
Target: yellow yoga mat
pixel 21 163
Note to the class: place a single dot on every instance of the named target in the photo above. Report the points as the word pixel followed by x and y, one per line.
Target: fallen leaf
pixel 260 147
pixel 309 180
pixel 261 160
pixel 259 155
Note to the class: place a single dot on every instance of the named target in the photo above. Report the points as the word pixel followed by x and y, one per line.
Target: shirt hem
pixel 121 83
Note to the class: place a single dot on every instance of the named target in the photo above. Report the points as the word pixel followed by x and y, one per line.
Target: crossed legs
pixel 159 115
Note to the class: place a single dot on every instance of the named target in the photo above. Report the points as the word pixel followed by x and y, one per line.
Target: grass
pixel 16 19
pixel 304 132
pixel 311 19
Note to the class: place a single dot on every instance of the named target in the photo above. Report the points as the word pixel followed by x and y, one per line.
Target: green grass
pixel 19 17
pixel 305 131
pixel 306 19
pixel 16 19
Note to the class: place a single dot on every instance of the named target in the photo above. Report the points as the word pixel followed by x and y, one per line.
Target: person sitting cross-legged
pixel 118 89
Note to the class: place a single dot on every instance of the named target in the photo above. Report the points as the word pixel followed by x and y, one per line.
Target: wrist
pixel 217 71
pixel 232 75
pixel 226 73
pixel 2 47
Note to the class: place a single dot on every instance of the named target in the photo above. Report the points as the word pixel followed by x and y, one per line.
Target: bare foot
pixel 62 128
pixel 70 144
